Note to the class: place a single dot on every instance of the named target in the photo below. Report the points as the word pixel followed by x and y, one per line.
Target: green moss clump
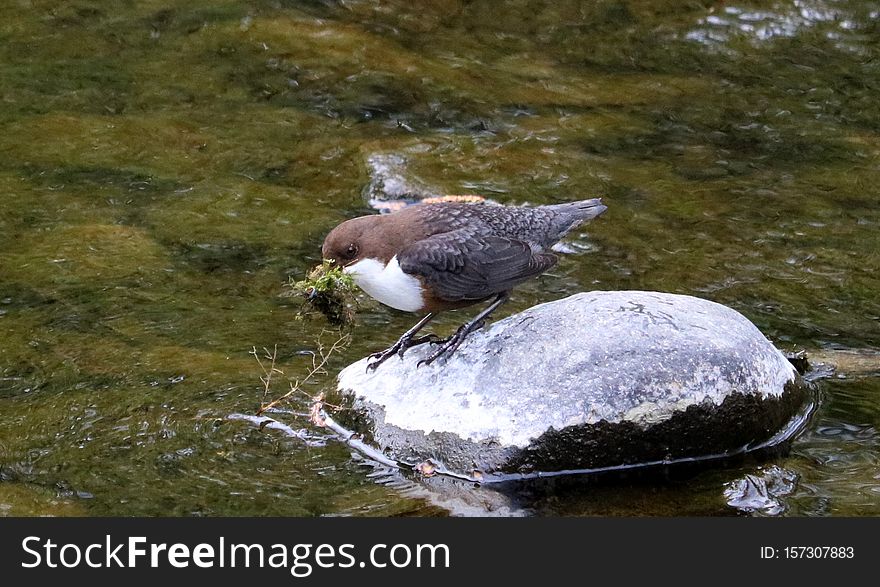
pixel 329 291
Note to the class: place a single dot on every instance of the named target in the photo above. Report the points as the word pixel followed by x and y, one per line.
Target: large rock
pixel 597 380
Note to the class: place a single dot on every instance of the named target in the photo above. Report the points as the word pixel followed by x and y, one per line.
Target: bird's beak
pixel 334 263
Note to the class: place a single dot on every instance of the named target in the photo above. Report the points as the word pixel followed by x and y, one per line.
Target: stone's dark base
pixel 740 424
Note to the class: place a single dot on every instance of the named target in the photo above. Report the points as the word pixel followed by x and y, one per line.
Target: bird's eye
pixel 352 251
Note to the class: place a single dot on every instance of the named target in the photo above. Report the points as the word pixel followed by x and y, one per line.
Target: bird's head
pixel 344 245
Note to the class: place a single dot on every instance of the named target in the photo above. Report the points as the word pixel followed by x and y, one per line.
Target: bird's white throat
pixel 387 283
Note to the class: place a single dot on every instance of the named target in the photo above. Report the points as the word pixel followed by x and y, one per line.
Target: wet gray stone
pixel 762 493
pixel 391 182
pixel 594 381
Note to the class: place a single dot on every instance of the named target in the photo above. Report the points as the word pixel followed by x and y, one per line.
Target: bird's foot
pixel 398 348
pixel 449 345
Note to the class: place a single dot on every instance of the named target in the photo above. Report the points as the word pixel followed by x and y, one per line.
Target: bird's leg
pixel 404 342
pixel 450 344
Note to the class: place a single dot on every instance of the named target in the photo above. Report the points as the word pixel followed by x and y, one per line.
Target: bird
pixel 432 257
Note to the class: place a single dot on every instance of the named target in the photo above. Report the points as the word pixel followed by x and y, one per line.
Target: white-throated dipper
pixel 434 257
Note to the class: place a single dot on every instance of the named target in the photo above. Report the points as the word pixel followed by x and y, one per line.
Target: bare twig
pixel 266 377
pixel 319 360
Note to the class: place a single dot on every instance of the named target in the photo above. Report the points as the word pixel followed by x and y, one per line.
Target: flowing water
pixel 165 167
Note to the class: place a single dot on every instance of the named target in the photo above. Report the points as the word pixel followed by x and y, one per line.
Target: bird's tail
pixel 581 211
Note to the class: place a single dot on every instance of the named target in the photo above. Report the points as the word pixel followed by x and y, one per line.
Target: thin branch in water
pixel 319 360
pixel 266 377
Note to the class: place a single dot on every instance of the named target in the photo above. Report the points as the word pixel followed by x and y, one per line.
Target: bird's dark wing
pixel 460 265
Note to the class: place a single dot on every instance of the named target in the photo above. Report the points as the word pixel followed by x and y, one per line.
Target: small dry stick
pixel 266 377
pixel 319 359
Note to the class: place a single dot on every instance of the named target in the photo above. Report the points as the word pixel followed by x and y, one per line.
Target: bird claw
pixel 449 345
pixel 380 357
pixel 398 348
